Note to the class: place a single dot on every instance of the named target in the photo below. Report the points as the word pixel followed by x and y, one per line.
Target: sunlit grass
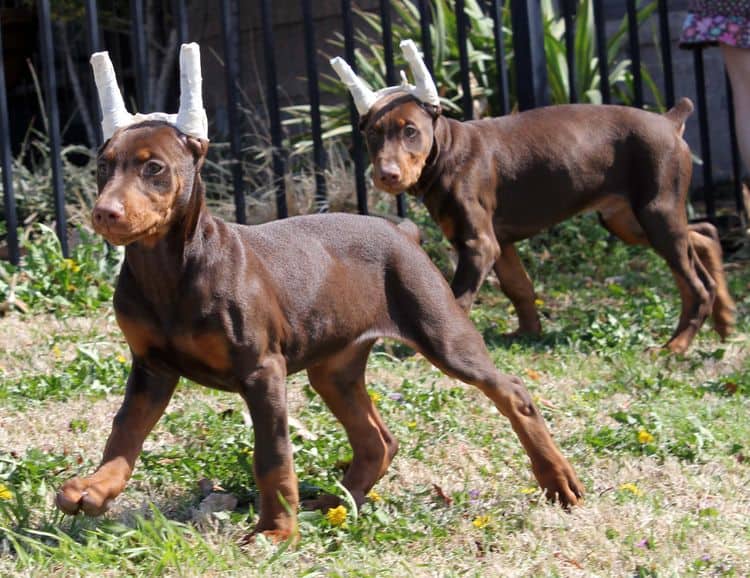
pixel 660 443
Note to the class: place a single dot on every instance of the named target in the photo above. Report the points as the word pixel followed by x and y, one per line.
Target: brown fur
pixel 492 182
pixel 239 308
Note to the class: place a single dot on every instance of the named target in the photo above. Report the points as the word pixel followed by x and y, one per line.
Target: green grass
pixel 660 442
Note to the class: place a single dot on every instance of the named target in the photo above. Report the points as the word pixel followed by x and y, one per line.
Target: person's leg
pixel 737 61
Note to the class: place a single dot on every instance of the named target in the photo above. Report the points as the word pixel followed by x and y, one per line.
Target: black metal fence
pixel 530 84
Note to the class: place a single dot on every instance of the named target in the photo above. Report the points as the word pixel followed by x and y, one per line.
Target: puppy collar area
pixel 364 97
pixel 191 118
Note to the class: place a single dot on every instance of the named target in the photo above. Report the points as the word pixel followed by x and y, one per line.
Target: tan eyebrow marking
pixel 143 154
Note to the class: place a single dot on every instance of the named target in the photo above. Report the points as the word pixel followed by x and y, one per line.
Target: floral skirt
pixel 717 22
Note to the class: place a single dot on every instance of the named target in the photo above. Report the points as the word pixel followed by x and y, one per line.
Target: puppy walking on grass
pixel 239 308
pixel 490 183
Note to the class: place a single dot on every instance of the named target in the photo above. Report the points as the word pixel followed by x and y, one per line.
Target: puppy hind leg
pixel 458 350
pixel 697 289
pixel 340 381
pixel 705 240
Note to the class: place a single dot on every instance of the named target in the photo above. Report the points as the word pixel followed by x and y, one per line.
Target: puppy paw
pixel 87 495
pixel 560 484
pixel 273 536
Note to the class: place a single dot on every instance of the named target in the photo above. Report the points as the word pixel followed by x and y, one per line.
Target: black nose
pixel 108 214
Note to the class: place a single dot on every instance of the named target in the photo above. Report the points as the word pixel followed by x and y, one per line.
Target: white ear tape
pixel 191 119
pixel 425 90
pixel 364 98
pixel 114 113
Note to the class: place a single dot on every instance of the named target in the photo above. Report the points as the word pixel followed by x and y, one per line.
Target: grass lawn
pixel 661 443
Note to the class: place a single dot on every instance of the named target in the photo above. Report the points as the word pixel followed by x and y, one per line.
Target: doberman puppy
pixel 492 182
pixel 238 308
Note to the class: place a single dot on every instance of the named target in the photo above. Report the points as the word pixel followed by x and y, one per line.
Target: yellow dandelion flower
pixel 645 437
pixel 56 350
pixel 375 396
pixel 632 488
pixel 411 424
pixel 481 521
pixel 5 493
pixel 374 496
pixel 528 490
pixel 336 516
pixel 121 358
pixel 72 265
pixel 538 302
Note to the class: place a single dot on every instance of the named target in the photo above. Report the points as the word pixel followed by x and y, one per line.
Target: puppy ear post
pixel 199 148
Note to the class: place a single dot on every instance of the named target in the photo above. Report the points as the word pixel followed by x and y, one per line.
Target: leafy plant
pixel 49 281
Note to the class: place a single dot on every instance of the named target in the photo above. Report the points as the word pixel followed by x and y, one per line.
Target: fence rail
pixel 531 84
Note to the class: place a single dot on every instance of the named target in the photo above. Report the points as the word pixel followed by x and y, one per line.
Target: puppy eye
pixel 410 131
pixel 101 169
pixel 152 168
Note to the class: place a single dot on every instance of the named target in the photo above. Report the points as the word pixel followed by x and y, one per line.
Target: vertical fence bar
pixel 462 26
pixel 424 25
pixel 528 45
pixel 272 98
pixel 601 50
pixel 92 30
pixel 357 144
pixel 180 21
pixel 385 20
pixel 736 164
pixel 635 53
pixel 390 74
pixel 496 13
pixel 6 158
pixel 140 54
pixel 666 52
pixel 229 23
pixel 92 25
pixel 319 159
pixel 570 48
pixel 53 119
pixel 700 87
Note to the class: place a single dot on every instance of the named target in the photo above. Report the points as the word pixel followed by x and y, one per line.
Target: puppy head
pixel 145 177
pixel 399 131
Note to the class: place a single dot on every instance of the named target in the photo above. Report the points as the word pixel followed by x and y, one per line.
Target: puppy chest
pixel 183 347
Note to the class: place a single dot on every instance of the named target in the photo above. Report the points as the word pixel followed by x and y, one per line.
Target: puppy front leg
pixel 147 395
pixel 476 255
pixel 265 395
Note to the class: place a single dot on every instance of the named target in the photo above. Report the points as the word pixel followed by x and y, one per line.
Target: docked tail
pixel 679 113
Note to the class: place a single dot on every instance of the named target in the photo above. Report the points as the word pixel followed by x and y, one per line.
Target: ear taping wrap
pixel 191 118
pixel 425 90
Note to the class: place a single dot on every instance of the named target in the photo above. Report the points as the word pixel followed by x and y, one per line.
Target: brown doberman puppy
pixel 492 182
pixel 238 308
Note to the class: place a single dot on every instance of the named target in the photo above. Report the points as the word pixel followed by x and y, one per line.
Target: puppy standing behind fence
pixel 492 182
pixel 238 308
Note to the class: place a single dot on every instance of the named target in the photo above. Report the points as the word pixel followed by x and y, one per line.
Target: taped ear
pixel 433 110
pixel 199 148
